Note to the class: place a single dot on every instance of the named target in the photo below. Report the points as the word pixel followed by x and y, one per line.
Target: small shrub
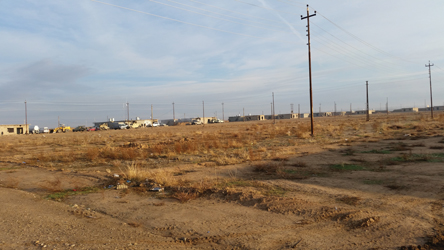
pixel 184 197
pixel 347 167
pixel 268 168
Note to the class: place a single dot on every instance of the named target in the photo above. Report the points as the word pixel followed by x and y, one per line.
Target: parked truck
pixel 35 130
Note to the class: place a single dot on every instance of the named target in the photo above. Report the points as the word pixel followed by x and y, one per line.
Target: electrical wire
pixel 172 6
pixel 176 20
pixel 361 40
pixel 240 13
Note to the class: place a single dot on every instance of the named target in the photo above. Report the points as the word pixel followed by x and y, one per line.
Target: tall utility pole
pixel 430 77
pixel 58 121
pixel 271 110
pixel 368 112
pixel 335 110
pixel 387 106
pixel 26 119
pixel 309 64
pixel 174 114
pixel 291 106
pixel 152 118
pixel 299 111
pixel 274 115
pixel 351 109
pixel 127 110
pixel 223 112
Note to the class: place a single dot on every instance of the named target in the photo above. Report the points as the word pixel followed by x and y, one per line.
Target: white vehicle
pixel 44 130
pixel 155 124
pixel 35 130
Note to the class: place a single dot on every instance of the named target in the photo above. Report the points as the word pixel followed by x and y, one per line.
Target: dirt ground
pixel 354 185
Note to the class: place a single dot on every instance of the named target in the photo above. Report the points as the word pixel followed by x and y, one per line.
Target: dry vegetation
pixel 190 162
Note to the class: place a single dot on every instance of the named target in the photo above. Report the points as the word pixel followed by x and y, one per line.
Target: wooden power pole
pixel 309 64
pixel 430 77
pixel 368 111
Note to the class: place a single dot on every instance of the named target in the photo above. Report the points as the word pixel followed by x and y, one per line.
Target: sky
pixel 81 61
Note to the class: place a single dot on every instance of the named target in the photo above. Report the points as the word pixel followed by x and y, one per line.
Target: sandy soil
pixel 367 194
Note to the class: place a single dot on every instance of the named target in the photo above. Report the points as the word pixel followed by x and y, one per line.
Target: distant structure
pixel 112 124
pixel 322 114
pixel 203 120
pixel 364 112
pixel 435 108
pixel 404 110
pixel 16 129
pixel 246 118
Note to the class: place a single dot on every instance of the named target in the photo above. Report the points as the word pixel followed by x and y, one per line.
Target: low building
pixel 322 114
pixel 405 110
pixel 287 116
pixel 341 113
pixel 435 108
pixel 303 115
pixel 363 112
pixel 170 122
pixel 380 111
pixel 131 123
pixel 246 118
pixel 15 129
pixel 204 120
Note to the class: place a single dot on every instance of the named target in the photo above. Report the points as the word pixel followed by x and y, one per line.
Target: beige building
pixel 17 129
pixel 204 120
pixel 406 110
pixel 363 112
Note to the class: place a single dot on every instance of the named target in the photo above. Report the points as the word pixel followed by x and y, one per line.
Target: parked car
pixel 155 124
pixel 92 129
pixel 79 129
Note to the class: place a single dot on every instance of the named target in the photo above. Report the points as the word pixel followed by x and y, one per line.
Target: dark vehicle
pixel 79 129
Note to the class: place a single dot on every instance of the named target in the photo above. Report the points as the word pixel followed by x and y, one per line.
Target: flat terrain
pixel 244 185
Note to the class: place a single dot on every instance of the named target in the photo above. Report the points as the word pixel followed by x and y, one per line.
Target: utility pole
pixel 309 64
pixel 387 106
pixel 351 109
pixel 430 77
pixel 243 113
pixel 368 112
pixel 26 119
pixel 271 112
pixel 203 113
pixel 58 121
pixel 274 115
pixel 223 112
pixel 174 114
pixel 127 110
pixel 291 106
pixel 335 110
pixel 320 106
pixel 299 110
pixel 152 118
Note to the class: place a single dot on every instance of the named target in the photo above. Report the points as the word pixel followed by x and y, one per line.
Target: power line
pixel 176 20
pixel 362 41
pixel 235 11
pixel 172 6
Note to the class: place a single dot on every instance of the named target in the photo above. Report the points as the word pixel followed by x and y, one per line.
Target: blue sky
pixel 82 59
